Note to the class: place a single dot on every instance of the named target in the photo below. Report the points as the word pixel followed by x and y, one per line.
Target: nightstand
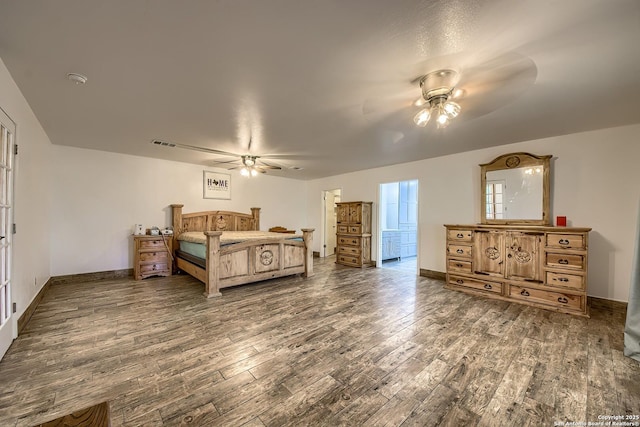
pixel 152 256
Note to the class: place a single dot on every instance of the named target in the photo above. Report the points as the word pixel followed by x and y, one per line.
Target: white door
pixel 7 131
pixel 331 197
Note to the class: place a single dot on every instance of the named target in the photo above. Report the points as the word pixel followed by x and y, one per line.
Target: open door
pixel 331 197
pixel 7 327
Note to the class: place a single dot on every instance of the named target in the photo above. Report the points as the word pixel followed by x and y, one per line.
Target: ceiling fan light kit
pixel 437 87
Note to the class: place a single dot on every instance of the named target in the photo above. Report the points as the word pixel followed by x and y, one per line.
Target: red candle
pixel 561 221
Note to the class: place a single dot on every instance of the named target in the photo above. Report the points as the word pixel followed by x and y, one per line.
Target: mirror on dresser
pixel 515 190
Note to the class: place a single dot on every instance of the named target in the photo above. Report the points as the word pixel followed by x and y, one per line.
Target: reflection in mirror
pixel 515 190
pixel 515 193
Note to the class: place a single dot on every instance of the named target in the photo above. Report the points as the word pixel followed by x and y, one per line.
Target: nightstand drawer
pixel 154 256
pixel 571 281
pixel 565 261
pixel 155 267
pixel 152 244
pixel 459 266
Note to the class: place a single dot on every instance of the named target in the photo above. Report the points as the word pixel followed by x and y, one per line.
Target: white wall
pixel 99 196
pixel 33 189
pixel 594 183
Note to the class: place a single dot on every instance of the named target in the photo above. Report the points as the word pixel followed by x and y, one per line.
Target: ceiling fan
pixel 444 88
pixel 249 164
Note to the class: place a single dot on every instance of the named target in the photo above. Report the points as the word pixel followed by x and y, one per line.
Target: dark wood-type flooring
pixel 346 347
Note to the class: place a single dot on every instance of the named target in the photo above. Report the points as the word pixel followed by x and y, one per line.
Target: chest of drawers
pixel 353 236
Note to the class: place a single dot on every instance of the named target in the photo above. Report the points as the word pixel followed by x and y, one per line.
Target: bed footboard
pixel 256 260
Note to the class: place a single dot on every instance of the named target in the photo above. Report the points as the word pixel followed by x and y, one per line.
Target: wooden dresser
pixel 152 256
pixel 354 233
pixel 540 266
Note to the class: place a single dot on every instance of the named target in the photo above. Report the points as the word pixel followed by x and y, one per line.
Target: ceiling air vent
pixel 164 144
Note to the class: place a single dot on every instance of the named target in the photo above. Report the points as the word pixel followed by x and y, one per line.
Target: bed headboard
pixel 213 220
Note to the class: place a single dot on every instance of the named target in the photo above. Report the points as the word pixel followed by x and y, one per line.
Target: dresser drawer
pixel 350 260
pixel 152 244
pixel 459 251
pixel 355 229
pixel 154 256
pixel 562 280
pixel 349 250
pixel 480 285
pixel 565 261
pixel 352 241
pixel 459 266
pixel 460 235
pixel 155 267
pixel 343 228
pixel 558 299
pixel 566 241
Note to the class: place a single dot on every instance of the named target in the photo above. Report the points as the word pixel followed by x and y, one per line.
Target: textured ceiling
pixel 323 85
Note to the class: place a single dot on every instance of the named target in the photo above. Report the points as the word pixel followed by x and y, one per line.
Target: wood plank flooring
pixel 376 347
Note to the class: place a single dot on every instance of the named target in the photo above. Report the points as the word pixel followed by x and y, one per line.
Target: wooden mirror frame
pixel 512 161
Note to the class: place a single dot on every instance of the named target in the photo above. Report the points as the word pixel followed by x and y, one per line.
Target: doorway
pixel 7 327
pixel 330 198
pixel 398 225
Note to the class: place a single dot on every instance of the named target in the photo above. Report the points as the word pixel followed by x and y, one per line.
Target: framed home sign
pixel 216 185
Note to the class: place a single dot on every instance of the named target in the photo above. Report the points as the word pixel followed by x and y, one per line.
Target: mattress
pixel 194 242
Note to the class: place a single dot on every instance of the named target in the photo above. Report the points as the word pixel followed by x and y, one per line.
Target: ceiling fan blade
pixel 270 165
pixel 193 147
pixel 495 83
pixel 389 104
pixel 223 162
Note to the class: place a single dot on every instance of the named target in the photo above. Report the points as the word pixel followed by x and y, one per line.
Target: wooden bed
pixel 239 263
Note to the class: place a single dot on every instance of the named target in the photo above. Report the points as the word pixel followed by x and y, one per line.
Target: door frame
pixel 379 222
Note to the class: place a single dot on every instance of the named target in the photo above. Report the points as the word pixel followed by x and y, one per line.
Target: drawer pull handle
pixel 459 281
pixel 460 251
pixel 459 265
pixel 563 261
pixel 525 293
pixel 562 279
pixel 459 235
pixel 488 286
pixel 563 300
pixel 563 241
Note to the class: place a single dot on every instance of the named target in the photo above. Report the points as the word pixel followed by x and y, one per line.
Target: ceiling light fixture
pixel 437 89
pixel 78 79
pixel 248 166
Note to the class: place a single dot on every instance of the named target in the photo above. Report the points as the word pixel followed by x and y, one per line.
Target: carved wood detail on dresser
pixel 540 266
pixel 152 256
pixel 353 234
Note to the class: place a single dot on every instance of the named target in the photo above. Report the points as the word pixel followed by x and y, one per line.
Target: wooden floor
pixel 346 347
